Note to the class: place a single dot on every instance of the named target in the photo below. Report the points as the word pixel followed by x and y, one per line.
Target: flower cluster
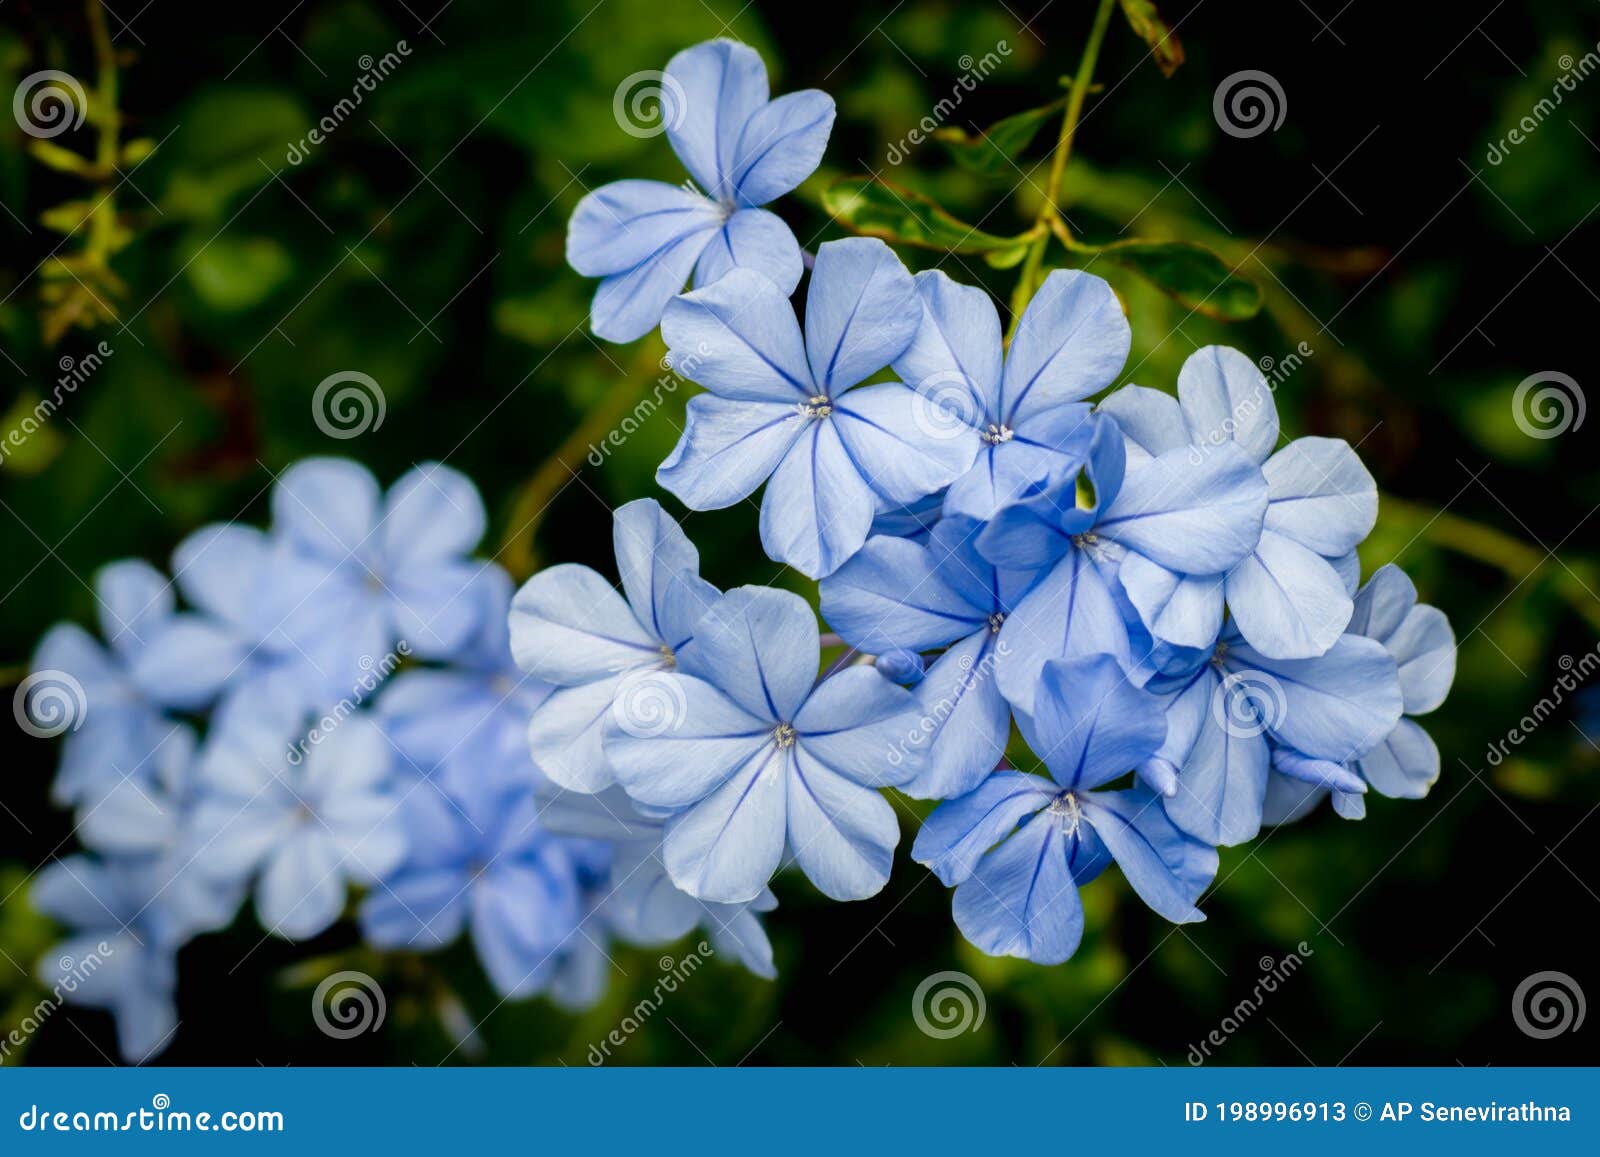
pixel 335 704
pixel 1155 587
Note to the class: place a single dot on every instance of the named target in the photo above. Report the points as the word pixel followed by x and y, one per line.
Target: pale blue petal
pixel 1022 900
pixel 1195 518
pixel 752 239
pixel 1349 806
pixel 739 339
pixel 840 833
pixel 135 601
pixel 1165 866
pixel 956 347
pixel 302 890
pixel 1383 603
pixel 818 508
pixel 1322 496
pixel 434 607
pixel 891 594
pixel 728 449
pixel 327 507
pixel 763 646
pixel 1289 800
pixel 901 453
pixel 651 550
pixel 1223 779
pixel 187 663
pixel 433 514
pixel 781 145
pixel 1287 601
pixel 1403 766
pixel 1089 723
pixel 1151 421
pixel 737 933
pixel 620 226
pixel 961 830
pixel 1184 610
pixel 1071 343
pixel 566 734
pixel 672 739
pixel 965 721
pixel 1070 613
pixel 1334 707
pixel 1349 567
pixel 862 311
pixel 219 568
pixel 855 721
pixel 1225 399
pixel 570 626
pixel 1425 648
pixel 710 93
pixel 629 305
pixel 1321 772
pixel 727 846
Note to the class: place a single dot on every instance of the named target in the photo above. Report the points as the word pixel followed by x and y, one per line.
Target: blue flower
pixel 143 824
pixel 473 713
pixel 1185 515
pixel 756 754
pixel 570 628
pixel 1234 714
pixel 780 406
pixel 1405 764
pixel 1019 846
pixel 110 704
pixel 642 904
pixel 645 237
pixel 1016 414
pixel 896 594
pixel 479 860
pixel 1289 596
pixel 122 955
pixel 362 572
pixel 304 810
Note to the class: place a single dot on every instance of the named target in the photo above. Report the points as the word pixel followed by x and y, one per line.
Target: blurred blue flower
pixel 756 755
pixel 570 628
pixel 121 956
pixel 305 811
pixel 780 407
pixel 1019 846
pixel 645 237
pixel 363 578
pixel 1013 414
pixel 1290 595
pixel 480 860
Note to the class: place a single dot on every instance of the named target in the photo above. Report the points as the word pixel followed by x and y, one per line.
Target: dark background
pixel 422 244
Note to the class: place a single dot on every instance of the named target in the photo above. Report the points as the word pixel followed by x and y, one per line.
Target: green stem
pixel 1049 217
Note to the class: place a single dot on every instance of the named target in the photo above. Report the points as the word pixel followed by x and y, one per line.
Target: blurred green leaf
pixel 875 208
pixel 228 140
pixel 995 151
pixel 233 274
pixel 34 449
pixel 1191 273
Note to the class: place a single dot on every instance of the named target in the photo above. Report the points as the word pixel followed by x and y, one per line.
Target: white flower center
pixel 784 735
pixel 1067 812
pixel 816 406
pixel 995 434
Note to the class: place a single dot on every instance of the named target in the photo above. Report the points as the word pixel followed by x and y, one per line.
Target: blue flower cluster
pixel 1155 587
pixel 335 704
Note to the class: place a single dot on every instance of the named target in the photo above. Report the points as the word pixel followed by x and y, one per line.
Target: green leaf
pixel 875 208
pixel 1191 273
pixel 1148 25
pixel 67 217
pixel 53 156
pixel 233 274
pixel 994 152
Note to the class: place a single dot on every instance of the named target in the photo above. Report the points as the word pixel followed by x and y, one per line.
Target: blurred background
pixel 1416 264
